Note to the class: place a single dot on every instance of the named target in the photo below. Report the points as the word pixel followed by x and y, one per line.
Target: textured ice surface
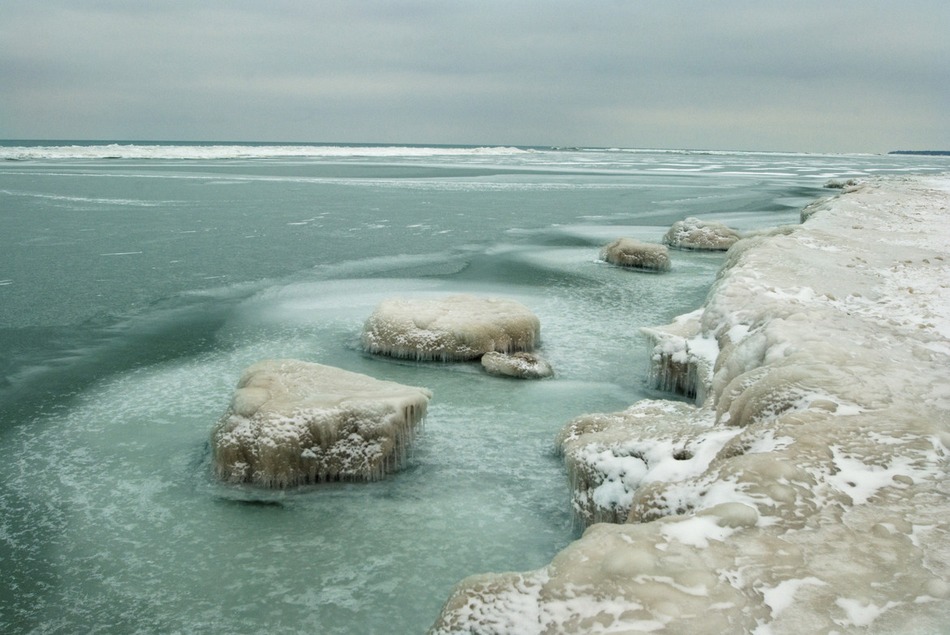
pixel 453 328
pixel 292 422
pixel 627 252
pixel 693 233
pixel 825 506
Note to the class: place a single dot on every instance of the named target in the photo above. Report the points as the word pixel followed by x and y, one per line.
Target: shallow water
pixel 134 290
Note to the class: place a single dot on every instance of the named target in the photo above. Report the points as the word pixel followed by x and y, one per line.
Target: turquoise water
pixel 137 281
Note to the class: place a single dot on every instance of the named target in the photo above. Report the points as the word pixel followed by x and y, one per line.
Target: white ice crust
pixel 693 233
pixel 453 328
pixel 292 422
pixel 810 494
pixel 634 254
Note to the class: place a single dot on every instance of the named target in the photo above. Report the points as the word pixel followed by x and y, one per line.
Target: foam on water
pixel 238 151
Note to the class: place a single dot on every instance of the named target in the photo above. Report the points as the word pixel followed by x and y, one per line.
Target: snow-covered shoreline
pixel 823 370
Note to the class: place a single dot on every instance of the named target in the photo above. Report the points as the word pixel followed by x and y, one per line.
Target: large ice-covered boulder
pixel 292 422
pixel 627 252
pixel 453 328
pixel 520 365
pixel 693 233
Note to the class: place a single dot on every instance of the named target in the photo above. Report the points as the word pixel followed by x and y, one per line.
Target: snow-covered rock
pixel 520 365
pixel 454 328
pixel 825 505
pixel 626 252
pixel 292 422
pixel 609 457
pixel 693 233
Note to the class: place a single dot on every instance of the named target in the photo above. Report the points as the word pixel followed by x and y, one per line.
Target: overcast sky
pixel 798 75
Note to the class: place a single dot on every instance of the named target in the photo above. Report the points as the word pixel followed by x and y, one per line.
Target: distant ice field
pixel 138 280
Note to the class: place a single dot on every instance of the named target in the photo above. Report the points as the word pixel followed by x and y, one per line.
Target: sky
pixel 789 75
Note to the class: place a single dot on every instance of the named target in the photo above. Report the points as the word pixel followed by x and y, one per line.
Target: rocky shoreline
pixel 805 491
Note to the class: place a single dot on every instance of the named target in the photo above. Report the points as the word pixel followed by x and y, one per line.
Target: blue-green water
pixel 137 281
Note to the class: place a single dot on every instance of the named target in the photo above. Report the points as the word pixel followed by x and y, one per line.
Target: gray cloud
pixel 805 75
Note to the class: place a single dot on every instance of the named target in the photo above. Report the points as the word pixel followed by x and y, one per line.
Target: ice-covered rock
pixel 825 504
pixel 693 233
pixel 520 365
pixel 626 252
pixel 454 328
pixel 610 456
pixel 837 184
pixel 292 422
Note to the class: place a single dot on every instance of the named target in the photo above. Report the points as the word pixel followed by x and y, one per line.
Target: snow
pixel 453 328
pixel 810 494
pixel 292 422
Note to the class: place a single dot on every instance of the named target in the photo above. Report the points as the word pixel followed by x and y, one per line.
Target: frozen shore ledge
pixel 808 493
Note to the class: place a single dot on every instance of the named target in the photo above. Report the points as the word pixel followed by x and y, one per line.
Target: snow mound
pixel 455 328
pixel 520 365
pixel 693 233
pixel 821 499
pixel 292 422
pixel 626 252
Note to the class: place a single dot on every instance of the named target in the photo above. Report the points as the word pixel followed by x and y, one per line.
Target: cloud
pixel 846 76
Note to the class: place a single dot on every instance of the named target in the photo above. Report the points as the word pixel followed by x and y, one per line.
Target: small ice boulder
pixel 292 422
pixel 521 365
pixel 454 328
pixel 626 252
pixel 693 233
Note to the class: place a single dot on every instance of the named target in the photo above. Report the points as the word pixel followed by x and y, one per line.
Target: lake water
pixel 137 281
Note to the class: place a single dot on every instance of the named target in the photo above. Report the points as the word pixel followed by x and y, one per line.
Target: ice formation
pixel 292 422
pixel 626 252
pixel 693 233
pixel 810 491
pixel 521 365
pixel 454 328
pixel 683 358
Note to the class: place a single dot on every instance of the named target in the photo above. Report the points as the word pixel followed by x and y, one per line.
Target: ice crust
pixel 292 422
pixel 811 493
pixel 693 233
pixel 627 252
pixel 454 328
